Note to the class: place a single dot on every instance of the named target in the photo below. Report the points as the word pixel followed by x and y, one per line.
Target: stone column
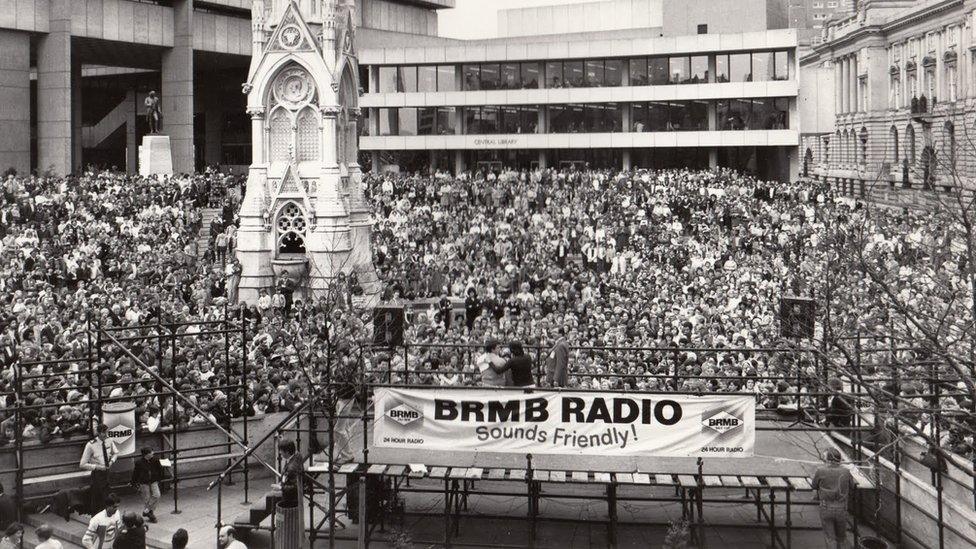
pixel 214 120
pixel 626 159
pixel 845 86
pixel 177 90
pixel 54 92
pixel 254 242
pixel 713 157
pixel 543 160
pixel 15 101
pixel 329 245
pixel 855 92
pixel 838 85
pixel 376 161
pixel 458 162
pixel 77 144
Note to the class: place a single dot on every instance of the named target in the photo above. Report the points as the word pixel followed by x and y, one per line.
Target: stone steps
pixel 203 238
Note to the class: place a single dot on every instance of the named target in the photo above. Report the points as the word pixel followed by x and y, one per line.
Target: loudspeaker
pixel 797 317
pixel 388 326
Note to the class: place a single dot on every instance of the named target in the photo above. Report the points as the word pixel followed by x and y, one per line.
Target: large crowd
pixel 629 270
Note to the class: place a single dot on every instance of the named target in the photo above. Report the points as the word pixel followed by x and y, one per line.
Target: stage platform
pixel 779 453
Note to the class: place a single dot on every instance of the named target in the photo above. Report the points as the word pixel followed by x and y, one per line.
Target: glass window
pixel 427 78
pixel 740 114
pixel 528 119
pixel 638 116
pixel 511 76
pixel 446 120
pixel 604 118
pixel 770 113
pixel 687 116
pixel 762 66
pixel 658 70
pixel 407 78
pixel 739 68
pixel 568 118
pixel 388 121
pixel 407 121
pixel 530 75
pixel 472 77
pixel 594 73
pixel 557 119
pixel 427 121
pixel 721 68
pixel 657 116
pixel 699 69
pixel 490 76
pixel 722 114
pixel 554 74
pixel 573 74
pixel 388 80
pixel 472 120
pixel 445 78
pixel 613 72
pixel 490 122
pixel 782 61
pixel 680 70
pixel 638 72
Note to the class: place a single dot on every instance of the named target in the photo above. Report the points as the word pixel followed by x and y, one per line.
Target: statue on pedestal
pixel 152 112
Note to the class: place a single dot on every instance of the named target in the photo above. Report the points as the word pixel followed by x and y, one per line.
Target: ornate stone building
pixel 903 97
pixel 304 216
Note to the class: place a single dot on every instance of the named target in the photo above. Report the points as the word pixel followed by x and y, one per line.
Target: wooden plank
pixel 557 476
pixel 540 476
pixel 730 481
pixel 438 472
pixel 687 481
pixel 624 478
pixel 475 473
pixel 516 474
pixel 663 480
pixel 458 472
pixel 776 482
pixel 376 469
pixel 496 474
pixel 603 478
pixel 55 478
pixel 348 468
pixel 396 470
pixel 580 476
pixel 712 480
pixel 751 482
pixel 642 478
pixel 800 483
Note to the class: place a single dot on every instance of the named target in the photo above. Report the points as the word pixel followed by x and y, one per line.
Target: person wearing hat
pixel 832 485
pixel 98 457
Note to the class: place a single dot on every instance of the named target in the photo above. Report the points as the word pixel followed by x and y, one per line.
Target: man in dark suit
pixel 557 371
pixel 840 413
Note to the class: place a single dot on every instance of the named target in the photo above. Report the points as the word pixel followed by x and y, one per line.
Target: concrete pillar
pixel 375 159
pixel 712 67
pixel 213 133
pixel 54 92
pixel 543 161
pixel 458 162
pixel 177 92
pixel 713 157
pixel 15 101
pixel 542 126
pixel 131 143
pixel 626 160
pixel 627 118
pixel 77 144
pixel 432 160
pixel 712 109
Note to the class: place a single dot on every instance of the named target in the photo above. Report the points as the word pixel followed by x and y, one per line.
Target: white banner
pixel 549 422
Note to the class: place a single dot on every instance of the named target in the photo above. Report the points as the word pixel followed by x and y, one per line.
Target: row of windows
pixel 654 116
pixel 588 73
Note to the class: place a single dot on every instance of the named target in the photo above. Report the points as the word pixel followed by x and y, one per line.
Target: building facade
pixel 810 17
pixel 73 74
pixel 903 97
pixel 623 100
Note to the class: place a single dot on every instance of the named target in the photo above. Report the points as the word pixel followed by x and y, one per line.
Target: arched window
pixel 308 135
pixel 280 126
pixel 950 144
pixel 910 144
pixel 292 228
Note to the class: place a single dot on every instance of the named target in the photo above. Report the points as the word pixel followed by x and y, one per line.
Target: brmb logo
pixel 720 421
pixel 403 414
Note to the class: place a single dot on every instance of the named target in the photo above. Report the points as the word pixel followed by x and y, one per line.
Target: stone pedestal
pixel 155 156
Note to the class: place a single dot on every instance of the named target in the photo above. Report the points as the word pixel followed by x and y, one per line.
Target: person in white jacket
pixel 104 525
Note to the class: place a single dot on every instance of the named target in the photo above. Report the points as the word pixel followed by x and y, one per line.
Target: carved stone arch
pixel 291 226
pixel 280 131
pixel 263 86
pixel 307 124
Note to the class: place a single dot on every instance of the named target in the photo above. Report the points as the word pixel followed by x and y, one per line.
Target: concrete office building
pixel 900 111
pixel 652 92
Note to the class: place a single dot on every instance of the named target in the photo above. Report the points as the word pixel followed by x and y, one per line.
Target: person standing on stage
pixel 104 525
pixel 146 474
pixel 99 456
pixel 833 485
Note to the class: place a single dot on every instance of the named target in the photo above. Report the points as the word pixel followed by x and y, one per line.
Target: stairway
pixel 203 239
pixel 256 514
pixel 93 136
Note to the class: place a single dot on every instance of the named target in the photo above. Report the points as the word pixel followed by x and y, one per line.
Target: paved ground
pixel 730 521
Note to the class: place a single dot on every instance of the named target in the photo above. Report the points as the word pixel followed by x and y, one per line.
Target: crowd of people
pixel 624 273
